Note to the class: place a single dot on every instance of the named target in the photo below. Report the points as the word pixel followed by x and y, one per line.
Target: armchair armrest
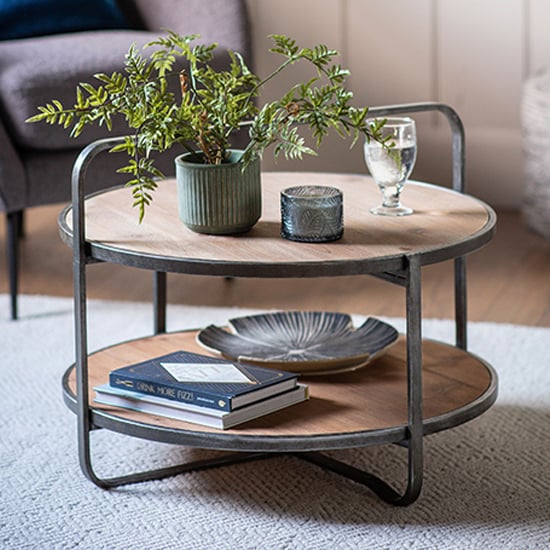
pixel 12 175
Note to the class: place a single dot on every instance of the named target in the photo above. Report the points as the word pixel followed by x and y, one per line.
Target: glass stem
pixel 390 196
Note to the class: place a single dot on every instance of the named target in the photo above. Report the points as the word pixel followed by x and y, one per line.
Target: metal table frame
pixel 407 274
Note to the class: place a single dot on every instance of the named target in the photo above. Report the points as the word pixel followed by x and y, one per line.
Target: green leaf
pixel 284 45
pixel 210 105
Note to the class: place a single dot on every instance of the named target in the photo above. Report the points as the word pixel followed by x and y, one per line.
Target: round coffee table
pixel 416 388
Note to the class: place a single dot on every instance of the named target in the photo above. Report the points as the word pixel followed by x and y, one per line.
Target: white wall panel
pixel 538 39
pixel 472 54
pixel 480 60
pixel 390 50
pixel 309 22
pixel 481 63
pixel 391 55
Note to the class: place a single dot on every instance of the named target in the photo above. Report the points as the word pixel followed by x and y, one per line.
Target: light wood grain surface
pixel 442 218
pixel 508 280
pixel 371 398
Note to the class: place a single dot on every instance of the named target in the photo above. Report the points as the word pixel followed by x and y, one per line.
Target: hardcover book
pixel 202 380
pixel 215 418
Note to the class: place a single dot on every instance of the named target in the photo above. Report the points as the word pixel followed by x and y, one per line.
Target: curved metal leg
pixel 374 483
pixel 411 280
pixel 414 441
pixel 459 184
pixel 80 261
pixel 160 473
pixel 414 385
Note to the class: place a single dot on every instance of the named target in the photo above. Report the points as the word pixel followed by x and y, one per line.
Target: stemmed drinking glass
pixel 391 166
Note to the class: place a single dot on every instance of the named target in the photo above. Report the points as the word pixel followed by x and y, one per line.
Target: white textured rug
pixel 487 483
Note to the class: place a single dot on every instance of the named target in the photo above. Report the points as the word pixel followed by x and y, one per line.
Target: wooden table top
pixel 445 224
pixel 369 399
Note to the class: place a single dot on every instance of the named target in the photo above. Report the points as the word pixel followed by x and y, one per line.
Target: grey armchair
pixel 36 159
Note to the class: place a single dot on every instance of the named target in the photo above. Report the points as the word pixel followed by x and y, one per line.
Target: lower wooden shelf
pixel 367 406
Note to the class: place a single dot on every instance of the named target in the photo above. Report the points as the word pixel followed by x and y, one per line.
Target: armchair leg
pixel 21 224
pixel 13 233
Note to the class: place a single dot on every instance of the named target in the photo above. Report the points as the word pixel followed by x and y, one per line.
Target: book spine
pixel 202 399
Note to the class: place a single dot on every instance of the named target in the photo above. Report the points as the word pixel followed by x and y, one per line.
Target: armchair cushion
pixel 34 71
pixel 25 18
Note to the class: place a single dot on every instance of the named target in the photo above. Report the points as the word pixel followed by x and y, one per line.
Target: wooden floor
pixel 508 280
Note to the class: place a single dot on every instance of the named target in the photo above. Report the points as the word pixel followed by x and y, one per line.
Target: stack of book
pixel 201 389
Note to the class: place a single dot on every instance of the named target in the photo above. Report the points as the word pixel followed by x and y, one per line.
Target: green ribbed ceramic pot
pixel 218 199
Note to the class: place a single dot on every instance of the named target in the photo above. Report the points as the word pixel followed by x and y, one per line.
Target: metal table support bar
pixel 459 184
pixel 414 442
pixel 159 301
pixel 80 261
pixel 410 277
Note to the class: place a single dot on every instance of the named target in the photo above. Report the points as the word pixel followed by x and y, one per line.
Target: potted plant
pixel 209 107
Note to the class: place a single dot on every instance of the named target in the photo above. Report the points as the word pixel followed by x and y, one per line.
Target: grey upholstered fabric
pixel 221 21
pixel 35 71
pixel 49 174
pixel 36 159
pixel 12 175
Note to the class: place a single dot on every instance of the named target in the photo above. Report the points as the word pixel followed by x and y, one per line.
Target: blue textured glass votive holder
pixel 312 213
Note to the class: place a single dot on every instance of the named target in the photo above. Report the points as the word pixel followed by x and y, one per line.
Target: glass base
pixel 392 210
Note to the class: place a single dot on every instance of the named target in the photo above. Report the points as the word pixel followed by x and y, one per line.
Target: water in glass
pixel 391 168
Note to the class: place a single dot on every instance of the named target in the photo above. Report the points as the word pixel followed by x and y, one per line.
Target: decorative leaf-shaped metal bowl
pixel 305 342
